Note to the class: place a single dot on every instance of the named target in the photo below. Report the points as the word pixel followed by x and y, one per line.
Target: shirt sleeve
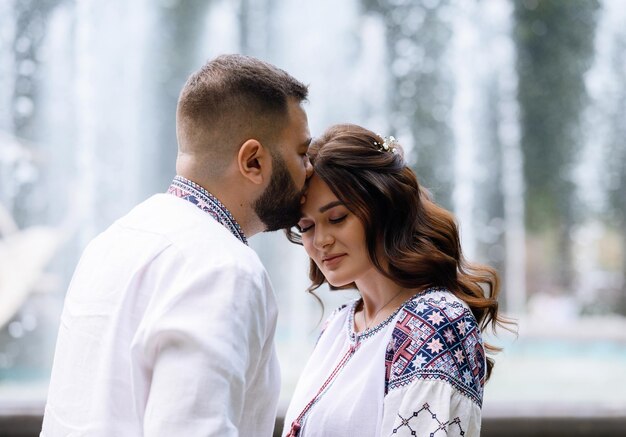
pixel 435 369
pixel 200 348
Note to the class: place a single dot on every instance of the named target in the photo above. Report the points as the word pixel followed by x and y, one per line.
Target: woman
pixel 407 358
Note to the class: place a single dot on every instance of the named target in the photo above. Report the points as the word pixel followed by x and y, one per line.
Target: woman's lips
pixel 333 260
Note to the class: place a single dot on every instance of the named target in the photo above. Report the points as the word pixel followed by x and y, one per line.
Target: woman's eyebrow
pixel 330 205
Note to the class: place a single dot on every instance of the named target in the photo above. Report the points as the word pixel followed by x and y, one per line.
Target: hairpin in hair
pixel 389 145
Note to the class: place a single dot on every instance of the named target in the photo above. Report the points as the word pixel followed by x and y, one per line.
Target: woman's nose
pixel 322 238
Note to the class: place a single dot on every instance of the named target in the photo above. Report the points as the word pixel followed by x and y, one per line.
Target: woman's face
pixel 333 236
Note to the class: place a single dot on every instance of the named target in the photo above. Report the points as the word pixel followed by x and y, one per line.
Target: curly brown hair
pixel 410 239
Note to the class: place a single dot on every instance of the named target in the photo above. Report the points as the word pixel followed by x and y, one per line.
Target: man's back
pixel 167 330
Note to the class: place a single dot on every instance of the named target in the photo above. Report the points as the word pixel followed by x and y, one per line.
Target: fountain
pixel 94 112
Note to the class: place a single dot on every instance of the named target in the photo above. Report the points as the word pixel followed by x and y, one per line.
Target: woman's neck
pixel 381 297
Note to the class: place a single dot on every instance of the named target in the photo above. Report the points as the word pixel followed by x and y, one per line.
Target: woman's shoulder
pixel 437 297
pixel 436 337
pixel 337 316
pixel 438 311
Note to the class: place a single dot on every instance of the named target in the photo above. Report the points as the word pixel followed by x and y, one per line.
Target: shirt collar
pixel 194 193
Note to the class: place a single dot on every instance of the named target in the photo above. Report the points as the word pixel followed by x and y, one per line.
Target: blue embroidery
pixel 436 337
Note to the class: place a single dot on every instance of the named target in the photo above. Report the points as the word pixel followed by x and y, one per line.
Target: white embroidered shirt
pixel 167 330
pixel 420 372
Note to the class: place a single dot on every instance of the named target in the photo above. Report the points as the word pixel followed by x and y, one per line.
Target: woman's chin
pixel 340 284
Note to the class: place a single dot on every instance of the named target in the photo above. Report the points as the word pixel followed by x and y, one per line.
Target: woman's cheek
pixel 308 246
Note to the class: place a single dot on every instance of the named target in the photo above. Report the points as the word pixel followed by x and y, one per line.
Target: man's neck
pixel 219 205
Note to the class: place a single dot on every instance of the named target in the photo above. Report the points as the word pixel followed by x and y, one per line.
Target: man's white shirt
pixel 167 329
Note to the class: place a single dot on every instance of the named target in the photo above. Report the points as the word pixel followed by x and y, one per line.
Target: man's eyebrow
pixel 330 205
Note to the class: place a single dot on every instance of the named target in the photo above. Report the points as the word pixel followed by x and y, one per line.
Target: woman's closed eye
pixel 338 219
pixel 304 226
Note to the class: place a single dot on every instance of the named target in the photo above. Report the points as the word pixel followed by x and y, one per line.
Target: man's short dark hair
pixel 233 98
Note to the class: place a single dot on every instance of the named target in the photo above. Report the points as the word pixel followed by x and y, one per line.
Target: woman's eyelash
pixel 338 220
pixel 303 230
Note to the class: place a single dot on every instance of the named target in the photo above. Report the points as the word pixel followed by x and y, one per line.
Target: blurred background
pixel 513 114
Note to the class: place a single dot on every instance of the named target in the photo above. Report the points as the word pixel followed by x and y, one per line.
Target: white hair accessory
pixel 388 145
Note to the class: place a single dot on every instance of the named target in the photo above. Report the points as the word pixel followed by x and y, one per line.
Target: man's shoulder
pixel 165 214
pixel 190 230
pixel 178 233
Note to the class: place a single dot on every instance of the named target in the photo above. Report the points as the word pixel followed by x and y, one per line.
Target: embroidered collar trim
pixel 194 193
pixel 356 337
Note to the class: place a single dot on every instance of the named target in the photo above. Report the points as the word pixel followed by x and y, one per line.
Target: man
pixel 168 323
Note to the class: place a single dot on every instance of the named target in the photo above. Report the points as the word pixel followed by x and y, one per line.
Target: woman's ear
pixel 254 161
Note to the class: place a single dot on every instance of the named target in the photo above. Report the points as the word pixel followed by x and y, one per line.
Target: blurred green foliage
pixel 555 47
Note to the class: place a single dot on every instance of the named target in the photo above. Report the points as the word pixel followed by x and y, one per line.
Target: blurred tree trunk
pixel 616 165
pixel 554 42
pixel 421 88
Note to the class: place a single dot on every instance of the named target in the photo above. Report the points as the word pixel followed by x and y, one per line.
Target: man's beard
pixel 279 205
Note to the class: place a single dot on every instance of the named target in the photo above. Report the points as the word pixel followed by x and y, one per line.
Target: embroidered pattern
pixel 436 337
pixel 357 337
pixel 194 193
pixel 446 427
pixel 296 425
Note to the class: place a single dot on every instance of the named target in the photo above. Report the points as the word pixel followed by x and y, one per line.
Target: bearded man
pixel 168 323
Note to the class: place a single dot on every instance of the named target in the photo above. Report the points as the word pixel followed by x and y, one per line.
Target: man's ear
pixel 254 161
